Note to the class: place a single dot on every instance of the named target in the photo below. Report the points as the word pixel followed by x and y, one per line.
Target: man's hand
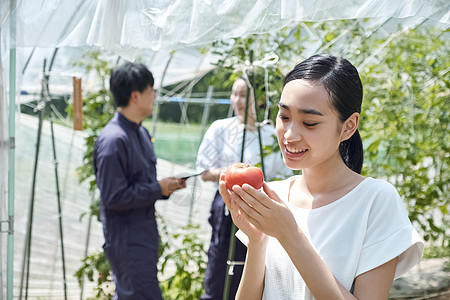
pixel 171 184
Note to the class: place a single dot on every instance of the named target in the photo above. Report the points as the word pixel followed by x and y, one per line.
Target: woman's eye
pixel 310 124
pixel 282 117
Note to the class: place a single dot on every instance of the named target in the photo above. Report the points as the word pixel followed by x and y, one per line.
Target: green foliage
pixel 436 251
pixel 96 268
pixel 189 259
pixel 236 54
pixel 183 282
pixel 405 113
pixel 98 109
pixel 405 124
pixel 235 57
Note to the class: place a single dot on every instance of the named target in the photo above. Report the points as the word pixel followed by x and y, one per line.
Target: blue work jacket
pixel 125 169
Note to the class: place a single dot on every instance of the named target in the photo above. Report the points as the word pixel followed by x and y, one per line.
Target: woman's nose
pixel 292 133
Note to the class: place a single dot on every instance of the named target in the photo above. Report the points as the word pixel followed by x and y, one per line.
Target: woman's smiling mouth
pixel 294 150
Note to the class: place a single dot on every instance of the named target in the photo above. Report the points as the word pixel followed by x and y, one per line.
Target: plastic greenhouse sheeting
pixel 123 26
pixel 149 30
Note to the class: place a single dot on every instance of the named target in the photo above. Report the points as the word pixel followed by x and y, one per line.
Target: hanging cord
pixel 267 61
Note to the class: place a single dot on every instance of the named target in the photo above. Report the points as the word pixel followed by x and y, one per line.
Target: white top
pixel 360 231
pixel 222 143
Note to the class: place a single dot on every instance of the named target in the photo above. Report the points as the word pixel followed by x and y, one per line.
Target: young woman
pixel 329 233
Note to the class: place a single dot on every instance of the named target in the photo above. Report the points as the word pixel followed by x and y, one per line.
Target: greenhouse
pixel 56 58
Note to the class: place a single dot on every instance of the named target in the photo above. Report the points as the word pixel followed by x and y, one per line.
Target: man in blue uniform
pixel 125 169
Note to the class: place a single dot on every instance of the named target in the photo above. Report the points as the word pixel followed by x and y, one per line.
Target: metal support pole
pixel 55 161
pixel 156 105
pixel 258 126
pixel 41 107
pixel 231 263
pixel 11 152
pixel 27 249
pixel 86 248
pixel 206 109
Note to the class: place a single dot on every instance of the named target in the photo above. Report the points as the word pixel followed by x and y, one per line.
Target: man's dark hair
pixel 128 78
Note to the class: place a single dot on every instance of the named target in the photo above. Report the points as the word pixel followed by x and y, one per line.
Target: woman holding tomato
pixel 221 147
pixel 329 233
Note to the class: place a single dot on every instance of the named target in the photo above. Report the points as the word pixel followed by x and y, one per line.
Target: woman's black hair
pixel 342 83
pixel 128 78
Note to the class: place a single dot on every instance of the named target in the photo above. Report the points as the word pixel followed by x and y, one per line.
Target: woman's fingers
pixel 271 193
pixel 249 213
pixel 224 193
pixel 254 197
pixel 233 207
pixel 248 203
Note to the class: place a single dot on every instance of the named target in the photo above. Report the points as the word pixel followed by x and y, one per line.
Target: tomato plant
pixel 239 173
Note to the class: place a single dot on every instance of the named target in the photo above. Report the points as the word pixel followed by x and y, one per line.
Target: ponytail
pixel 351 151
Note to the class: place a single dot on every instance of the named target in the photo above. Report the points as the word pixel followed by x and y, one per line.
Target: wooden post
pixel 77 105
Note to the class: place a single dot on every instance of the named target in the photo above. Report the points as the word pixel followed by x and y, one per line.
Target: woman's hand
pixel 240 220
pixel 212 174
pixel 264 210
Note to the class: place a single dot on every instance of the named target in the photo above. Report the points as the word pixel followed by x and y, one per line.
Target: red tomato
pixel 239 173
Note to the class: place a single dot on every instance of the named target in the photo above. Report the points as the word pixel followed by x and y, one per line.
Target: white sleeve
pixel 389 234
pixel 208 151
pixel 242 237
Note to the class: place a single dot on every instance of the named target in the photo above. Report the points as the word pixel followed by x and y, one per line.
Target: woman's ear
pixel 349 127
